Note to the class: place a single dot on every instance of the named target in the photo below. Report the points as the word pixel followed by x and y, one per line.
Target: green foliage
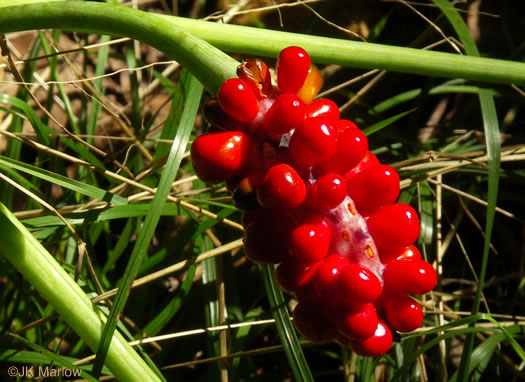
pixel 104 183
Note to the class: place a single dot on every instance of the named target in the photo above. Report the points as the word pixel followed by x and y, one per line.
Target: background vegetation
pixel 83 114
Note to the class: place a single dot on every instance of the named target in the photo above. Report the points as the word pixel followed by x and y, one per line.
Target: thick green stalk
pixel 56 286
pixel 323 50
pixel 210 65
pixel 174 36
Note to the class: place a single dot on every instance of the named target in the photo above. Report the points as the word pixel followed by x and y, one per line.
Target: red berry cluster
pixel 317 202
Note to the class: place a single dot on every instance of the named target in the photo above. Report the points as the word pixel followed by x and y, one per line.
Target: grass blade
pixel 292 347
pixel 448 333
pixel 152 218
pixel 71 184
pixel 450 87
pixel 492 139
pixel 384 123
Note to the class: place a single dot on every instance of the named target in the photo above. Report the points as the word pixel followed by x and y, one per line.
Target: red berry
pixel 378 344
pixel 282 187
pixel 409 276
pixel 343 248
pixel 311 86
pixel 314 319
pixel 407 253
pixel 359 283
pixel 309 242
pixel 402 313
pixel 256 75
pixel 394 226
pixel 327 275
pixel 297 277
pixel 313 142
pixel 328 191
pixel 287 113
pixel 374 187
pixel 368 160
pixel 352 146
pixel 293 65
pixel 345 124
pixel 219 156
pixel 323 108
pixel 357 321
pixel 215 116
pixel 237 100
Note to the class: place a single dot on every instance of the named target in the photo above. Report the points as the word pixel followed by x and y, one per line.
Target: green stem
pixel 210 65
pixel 56 286
pixel 323 50
pixel 174 36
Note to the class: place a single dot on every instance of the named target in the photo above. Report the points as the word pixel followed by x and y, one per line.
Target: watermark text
pixel 42 371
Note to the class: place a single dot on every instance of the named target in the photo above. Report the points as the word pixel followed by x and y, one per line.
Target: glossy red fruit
pixel 256 75
pixel 309 242
pixel 313 142
pixel 293 65
pixel 323 108
pixel 352 146
pixel 407 253
pixel 328 192
pixel 311 86
pixel 282 187
pixel 359 283
pixel 327 275
pixel 215 116
pixel 264 236
pixel 358 321
pixel 409 276
pixel 402 313
pixel 297 277
pixel 237 100
pixel 378 344
pixel 374 187
pixel 394 226
pixel 367 161
pixel 217 157
pixel 287 113
pixel 345 124
pixel 314 319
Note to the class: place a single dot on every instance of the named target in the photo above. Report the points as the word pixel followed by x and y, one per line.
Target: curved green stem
pixel 323 50
pixel 54 284
pixel 210 65
pixel 175 37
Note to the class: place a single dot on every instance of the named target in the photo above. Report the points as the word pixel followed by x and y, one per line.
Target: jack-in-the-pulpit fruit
pixel 318 203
